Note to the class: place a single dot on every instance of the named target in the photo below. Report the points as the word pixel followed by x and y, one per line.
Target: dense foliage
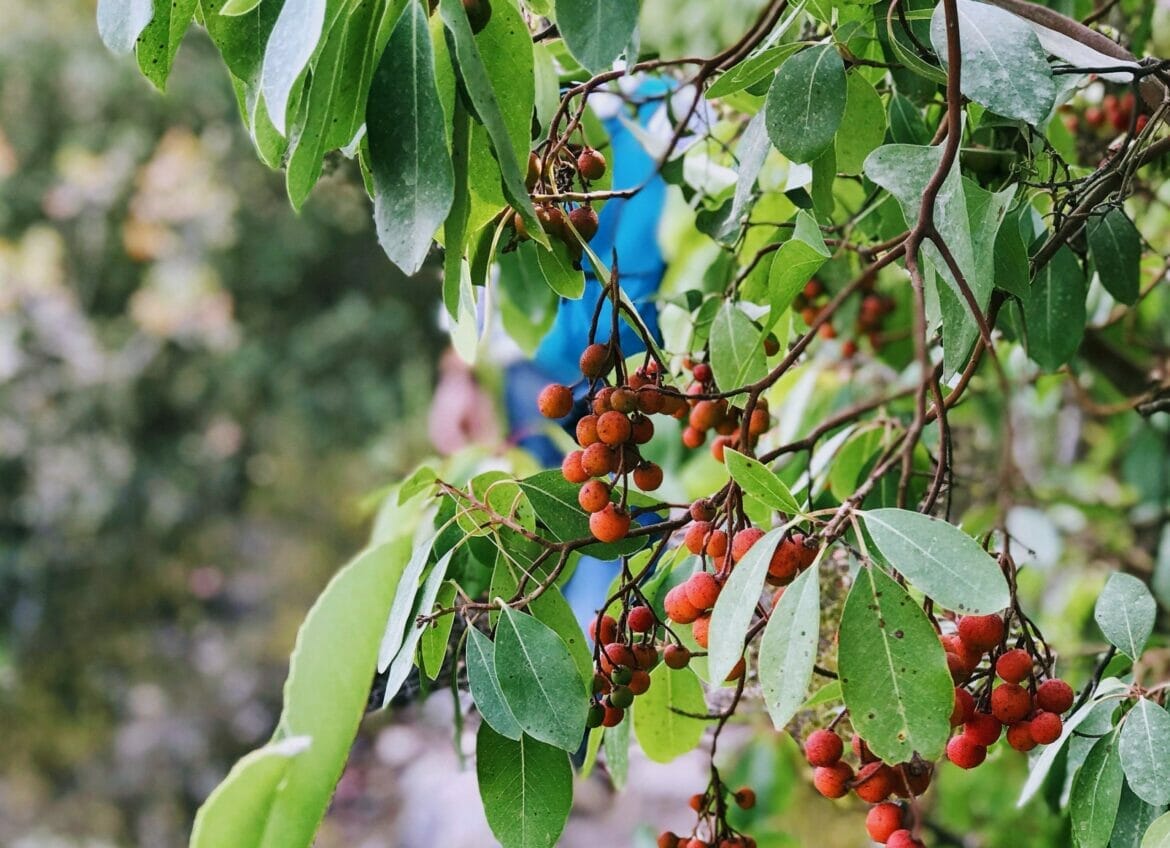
pixel 913 247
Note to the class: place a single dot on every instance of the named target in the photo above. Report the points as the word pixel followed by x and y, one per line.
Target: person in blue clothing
pixel 629 228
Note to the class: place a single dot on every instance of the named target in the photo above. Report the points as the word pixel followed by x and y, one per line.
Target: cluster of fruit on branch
pixel 572 226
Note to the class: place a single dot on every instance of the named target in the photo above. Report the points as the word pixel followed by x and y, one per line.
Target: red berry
pixel 833 781
pixel 1019 736
pixel 745 798
pixel 703 372
pixel 678 607
pixel 964 707
pixel 716 543
pixel 983 632
pixel 613 716
pixel 742 542
pixel 903 839
pixel 693 438
pixel 639 682
pixel 646 656
pixel 555 401
pixel 610 525
pixel 595 360
pixel 965 752
pixel 1010 703
pixel 593 496
pixel 571 468
pixel 1046 727
pixel 1054 696
pixel 591 164
pixel 861 750
pixel 641 429
pixel 616 655
pixel 1014 665
pixel 676 657
pixel 701 629
pixel 883 820
pixel 702 590
pixel 696 537
pixel 648 476
pixel 666 839
pixel 609 629
pixel 823 748
pixel 640 619
pixel 875 782
pixel 702 510
pixel 584 221
pixel 983 729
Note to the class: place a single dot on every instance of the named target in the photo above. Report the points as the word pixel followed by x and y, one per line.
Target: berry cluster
pixel 1031 714
pixel 872 313
pixel 706 415
pixel 1115 114
pixel 626 653
pixel 583 164
pixel 712 807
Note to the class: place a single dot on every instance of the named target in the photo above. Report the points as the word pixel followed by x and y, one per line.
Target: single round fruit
pixel 702 590
pixel 745 798
pixel 964 707
pixel 667 839
pixel 983 729
pixel 552 220
pixel 571 468
pixel 676 657
pixel 613 716
pixel 613 427
pixel 705 415
pixel 823 748
pixel 648 476
pixel 701 629
pixel 678 607
pixel 1054 696
pixel 623 400
pixel 874 783
pixel 983 632
pixel 532 175
pixel 621 697
pixel 641 429
pixel 584 221
pixel 696 537
pixel 716 543
pixel 595 716
pixel 693 438
pixel 1010 703
pixel 586 431
pixel 555 401
pixel 614 655
pixel 696 802
pixel 609 630
pixel 621 675
pixel 903 839
pixel 1014 665
pixel 640 619
pixel 595 360
pixel 742 542
pixel 610 525
pixel 965 752
pixel 703 372
pixel 590 164
pixel 639 682
pixel 593 496
pixel 598 460
pixel 1019 736
pixel 601 400
pixel 882 820
pixel 703 510
pixel 1046 727
pixel 833 781
pixel 651 401
pixel 646 656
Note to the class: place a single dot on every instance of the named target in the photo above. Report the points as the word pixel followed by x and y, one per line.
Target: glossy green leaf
pixel 737 349
pixel 404 660
pixel 596 33
pixel 865 123
pixel 120 22
pixel 233 8
pixel 617 753
pixel 662 731
pixel 1004 67
pixel 540 681
pixel 806 103
pixel 556 268
pixel 413 176
pixel 751 153
pixel 399 615
pixel 752 69
pixel 1116 247
pixel 485 686
pixel 939 559
pixel 827 694
pixel 1096 793
pixel 1144 745
pixel 432 648
pixel 526 788
pixel 1125 612
pixel 291 45
pixel 761 482
pixel 854 457
pixel 234 814
pixel 1054 311
pixel 1012 273
pixel 797 260
pixel 893 671
pixel 552 608
pixel 788 648
pixel 736 606
pixel 159 41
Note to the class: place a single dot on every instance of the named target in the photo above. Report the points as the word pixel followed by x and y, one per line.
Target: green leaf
pixel 159 41
pixel 291 45
pixel 906 123
pixel 1004 67
pixel 1158 836
pixel 736 605
pixel 487 110
pixel 865 120
pixel 552 608
pixel 540 681
pixel 737 349
pixel 617 753
pixel 1116 246
pixel 324 698
pixel 555 501
pixel 854 458
pixel 1144 745
pixel 1054 311
pixel 1096 793
pixel 1011 255
pixel 414 182
pixel 485 686
pixel 232 8
pixel 399 615
pixel 828 693
pixel 806 103
pixel 556 267
pixel 433 646
pixel 758 480
pixel 940 559
pixel 404 660
pixel 595 32
pixel 234 814
pixel 752 69
pixel 788 648
pixel 1134 817
pixel 120 22
pixel 662 732
pixel 894 675
pixel 751 153
pixel 526 787
pixel 796 261
pixel 1125 613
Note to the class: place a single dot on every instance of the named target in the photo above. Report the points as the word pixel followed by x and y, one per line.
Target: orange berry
pixel 610 524
pixel 1010 703
pixel 833 781
pixel 693 438
pixel 651 401
pixel 648 476
pixel 571 468
pixel 982 632
pixel 705 415
pixel 678 607
pixel 1014 665
pixel 965 752
pixel 555 401
pixel 742 542
pixel 736 672
pixel 593 496
pixel 613 427
pixel 883 820
pixel 667 839
pixel 745 798
pixel 639 682
pixel 609 629
pixel 701 628
pixel 598 460
pixel 1054 696
pixel 702 590
pixel 696 537
pixel 587 430
pixel 874 783
pixel 703 510
pixel 584 221
pixel 719 447
pixel 823 748
pixel 676 656
pixel 613 716
pixel 595 360
pixel 590 164
pixel 717 543
pixel 623 400
pixel 601 400
pixel 641 429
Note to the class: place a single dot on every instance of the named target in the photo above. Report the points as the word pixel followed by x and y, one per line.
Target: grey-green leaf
pixel 893 671
pixel 404 660
pixel 940 559
pixel 1125 613
pixel 788 648
pixel 1096 793
pixel 540 681
pixel 485 687
pixel 1116 246
pixel 159 41
pixel 761 482
pixel 526 788
pixel 865 117
pixel 1145 751
pixel 120 22
pixel 806 103
pixel 596 31
pixel 1054 311
pixel 414 182
pixel 1004 67
pixel 398 617
pixel 796 261
pixel 291 45
pixel 737 349
pixel 1134 817
pixel 737 605
pixel 662 730
pixel 1158 836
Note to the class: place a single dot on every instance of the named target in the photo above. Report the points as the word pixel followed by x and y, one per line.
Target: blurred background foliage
pixel 198 389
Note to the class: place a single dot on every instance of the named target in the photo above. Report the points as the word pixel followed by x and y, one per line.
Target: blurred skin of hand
pixel 461 413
